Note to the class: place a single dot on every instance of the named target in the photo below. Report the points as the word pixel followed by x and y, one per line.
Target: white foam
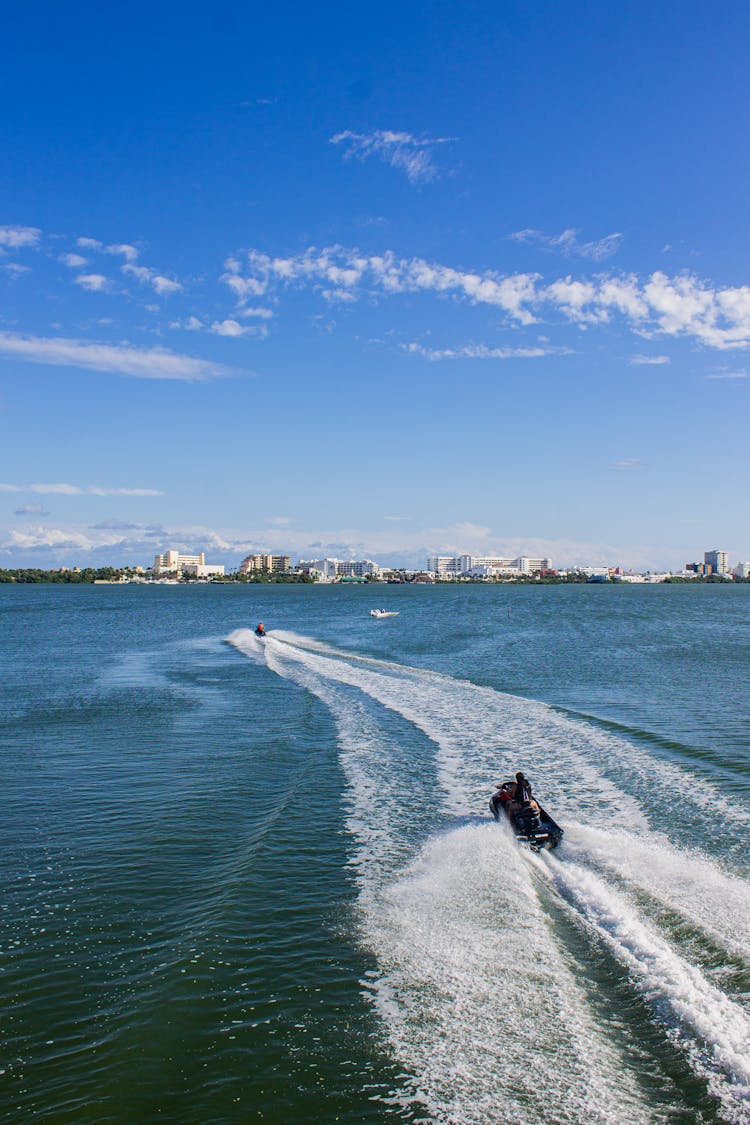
pixel 712 900
pixel 714 1027
pixel 473 991
pixel 479 1004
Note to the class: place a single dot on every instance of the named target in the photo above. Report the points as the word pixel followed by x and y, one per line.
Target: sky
pixel 374 281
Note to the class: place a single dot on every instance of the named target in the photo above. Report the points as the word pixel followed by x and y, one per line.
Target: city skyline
pixel 262 290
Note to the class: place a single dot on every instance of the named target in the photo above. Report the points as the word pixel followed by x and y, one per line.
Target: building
pixel 448 566
pixel 173 564
pixel 742 570
pixel 485 566
pixel 362 568
pixel 322 570
pixel 273 564
pixel 329 570
pixel 718 561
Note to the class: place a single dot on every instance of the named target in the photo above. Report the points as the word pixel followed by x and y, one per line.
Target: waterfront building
pixel 357 568
pixel 447 566
pixel 322 570
pixel 742 570
pixel 485 566
pixel 274 564
pixel 718 561
pixel 328 570
pixel 172 564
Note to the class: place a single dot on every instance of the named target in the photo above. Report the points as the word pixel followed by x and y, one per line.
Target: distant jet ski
pixel 530 823
pixel 384 613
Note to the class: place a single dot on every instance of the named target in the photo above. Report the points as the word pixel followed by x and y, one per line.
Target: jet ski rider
pixel 522 791
pixel 260 629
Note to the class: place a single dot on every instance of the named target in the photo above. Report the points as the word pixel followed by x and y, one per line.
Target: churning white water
pixel 483 1001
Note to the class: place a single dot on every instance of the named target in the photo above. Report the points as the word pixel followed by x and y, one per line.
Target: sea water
pixel 258 880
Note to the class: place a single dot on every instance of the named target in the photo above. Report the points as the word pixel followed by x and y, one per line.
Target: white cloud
pixel 164 286
pixel 230 328
pixel 77 490
pixel 629 463
pixel 649 360
pixel 121 359
pixel 14 237
pixel 724 374
pixel 568 243
pixel 130 253
pixel 279 521
pixel 89 243
pixel 658 305
pixel 15 269
pixel 113 542
pixel 478 351
pixel 31 510
pixel 93 282
pixel 405 151
pixel 73 261
pixel 260 313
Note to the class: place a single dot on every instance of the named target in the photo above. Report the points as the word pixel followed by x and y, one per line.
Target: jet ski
pixel 530 823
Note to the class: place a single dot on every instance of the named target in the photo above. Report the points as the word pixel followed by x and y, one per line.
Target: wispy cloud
pixel 31 510
pixel 684 305
pixel 130 253
pixel 649 360
pixel 570 245
pixel 412 154
pixel 629 463
pixel 121 359
pixel 164 286
pixel 478 351
pixel 233 328
pixel 725 374
pixel 260 313
pixel 78 490
pixel 73 261
pixel 15 270
pixel 93 282
pixel 89 243
pixel 14 237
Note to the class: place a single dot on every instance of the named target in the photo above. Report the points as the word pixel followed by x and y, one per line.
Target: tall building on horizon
pixel 718 561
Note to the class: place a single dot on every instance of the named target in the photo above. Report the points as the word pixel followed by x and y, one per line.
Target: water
pixel 251 880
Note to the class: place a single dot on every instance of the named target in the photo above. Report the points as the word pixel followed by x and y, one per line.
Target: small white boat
pixel 384 613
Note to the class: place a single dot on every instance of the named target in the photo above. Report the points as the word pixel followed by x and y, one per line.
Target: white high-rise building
pixel 357 568
pixel 274 564
pixel 173 563
pixel 448 566
pixel 484 566
pixel 718 561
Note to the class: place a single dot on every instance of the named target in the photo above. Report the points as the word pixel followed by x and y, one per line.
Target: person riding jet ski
pixel 260 629
pixel 530 823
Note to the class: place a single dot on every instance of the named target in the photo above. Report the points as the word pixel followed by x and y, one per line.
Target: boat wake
pixel 595 984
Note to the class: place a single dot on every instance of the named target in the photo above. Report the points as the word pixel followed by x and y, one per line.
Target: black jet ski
pixel 530 823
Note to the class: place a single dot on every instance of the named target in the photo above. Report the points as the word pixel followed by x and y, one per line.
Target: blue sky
pixel 426 277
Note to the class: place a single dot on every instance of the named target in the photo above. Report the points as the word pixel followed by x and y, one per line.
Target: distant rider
pixel 260 629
